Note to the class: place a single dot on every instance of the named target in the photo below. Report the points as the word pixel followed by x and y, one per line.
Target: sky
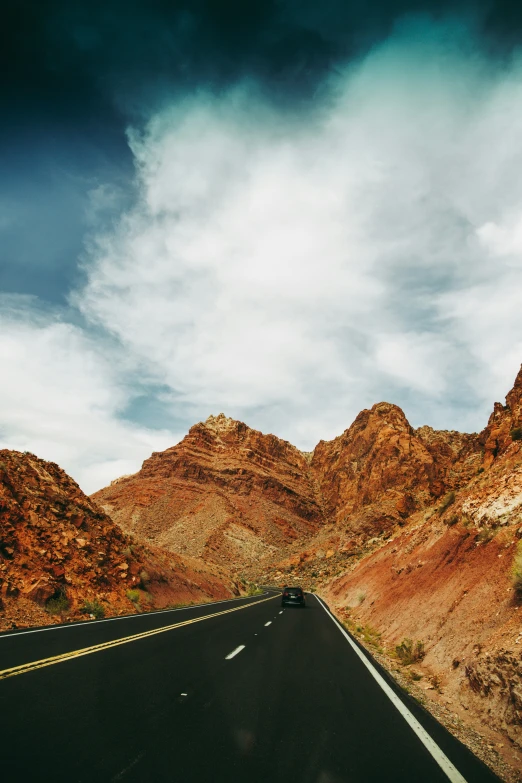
pixel 284 211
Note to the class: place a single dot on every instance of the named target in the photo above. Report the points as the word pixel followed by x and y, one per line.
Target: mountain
pixel 408 533
pixel 236 497
pixel 226 493
pixel 381 470
pixel 59 551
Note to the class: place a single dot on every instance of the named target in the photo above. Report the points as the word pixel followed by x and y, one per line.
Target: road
pixel 238 691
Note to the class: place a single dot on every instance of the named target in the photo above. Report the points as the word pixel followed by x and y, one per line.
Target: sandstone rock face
pixel 496 437
pixel 381 470
pixel 55 541
pixel 226 493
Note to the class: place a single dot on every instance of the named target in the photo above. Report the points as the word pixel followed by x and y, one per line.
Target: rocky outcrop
pixel 504 427
pixel 226 493
pixel 381 470
pixel 57 546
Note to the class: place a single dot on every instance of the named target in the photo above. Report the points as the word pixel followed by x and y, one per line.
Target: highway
pixel 240 691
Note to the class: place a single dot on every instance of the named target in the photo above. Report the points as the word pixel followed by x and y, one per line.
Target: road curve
pixel 239 691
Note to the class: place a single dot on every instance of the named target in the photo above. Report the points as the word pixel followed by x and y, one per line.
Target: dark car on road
pixel 293 596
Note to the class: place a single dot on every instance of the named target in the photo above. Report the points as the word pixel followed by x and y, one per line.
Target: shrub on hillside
pixel 516 433
pixel 93 607
pixel 446 503
pixel 486 535
pixel 58 604
pixel 516 571
pixel 408 652
pixel 133 595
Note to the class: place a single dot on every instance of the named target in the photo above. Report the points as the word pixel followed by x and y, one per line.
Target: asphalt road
pixel 252 694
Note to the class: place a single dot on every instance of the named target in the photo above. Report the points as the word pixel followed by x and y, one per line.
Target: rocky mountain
pixel 58 550
pixel 381 470
pixel 236 497
pixel 226 493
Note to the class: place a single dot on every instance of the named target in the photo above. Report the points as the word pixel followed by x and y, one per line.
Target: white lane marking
pixel 268 623
pixel 235 652
pixel 429 743
pixel 183 694
pixel 281 612
pixel 86 623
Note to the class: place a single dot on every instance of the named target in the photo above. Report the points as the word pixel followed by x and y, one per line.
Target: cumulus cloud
pixel 291 269
pixel 61 397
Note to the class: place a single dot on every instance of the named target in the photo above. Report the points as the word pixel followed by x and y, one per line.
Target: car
pixel 293 596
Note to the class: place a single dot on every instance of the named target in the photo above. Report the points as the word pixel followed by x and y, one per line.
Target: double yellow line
pixel 29 667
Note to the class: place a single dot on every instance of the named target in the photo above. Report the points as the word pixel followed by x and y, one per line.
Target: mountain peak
pixel 220 422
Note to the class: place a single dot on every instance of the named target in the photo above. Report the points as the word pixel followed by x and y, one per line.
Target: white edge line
pixel 268 623
pixel 84 623
pixel 429 743
pixel 235 652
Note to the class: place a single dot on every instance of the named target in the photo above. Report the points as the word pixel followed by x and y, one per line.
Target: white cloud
pixel 60 399
pixel 417 360
pixel 293 269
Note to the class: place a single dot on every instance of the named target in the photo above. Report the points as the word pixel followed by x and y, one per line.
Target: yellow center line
pixel 29 667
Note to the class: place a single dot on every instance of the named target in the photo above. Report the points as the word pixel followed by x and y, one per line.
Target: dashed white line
pixel 281 612
pixel 268 623
pixel 235 652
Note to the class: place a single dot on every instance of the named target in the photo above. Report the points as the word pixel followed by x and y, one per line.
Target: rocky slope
pixel 381 470
pixel 58 550
pixel 231 495
pixel 226 493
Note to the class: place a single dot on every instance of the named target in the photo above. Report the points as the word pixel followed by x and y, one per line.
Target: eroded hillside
pixel 59 550
pixel 226 493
